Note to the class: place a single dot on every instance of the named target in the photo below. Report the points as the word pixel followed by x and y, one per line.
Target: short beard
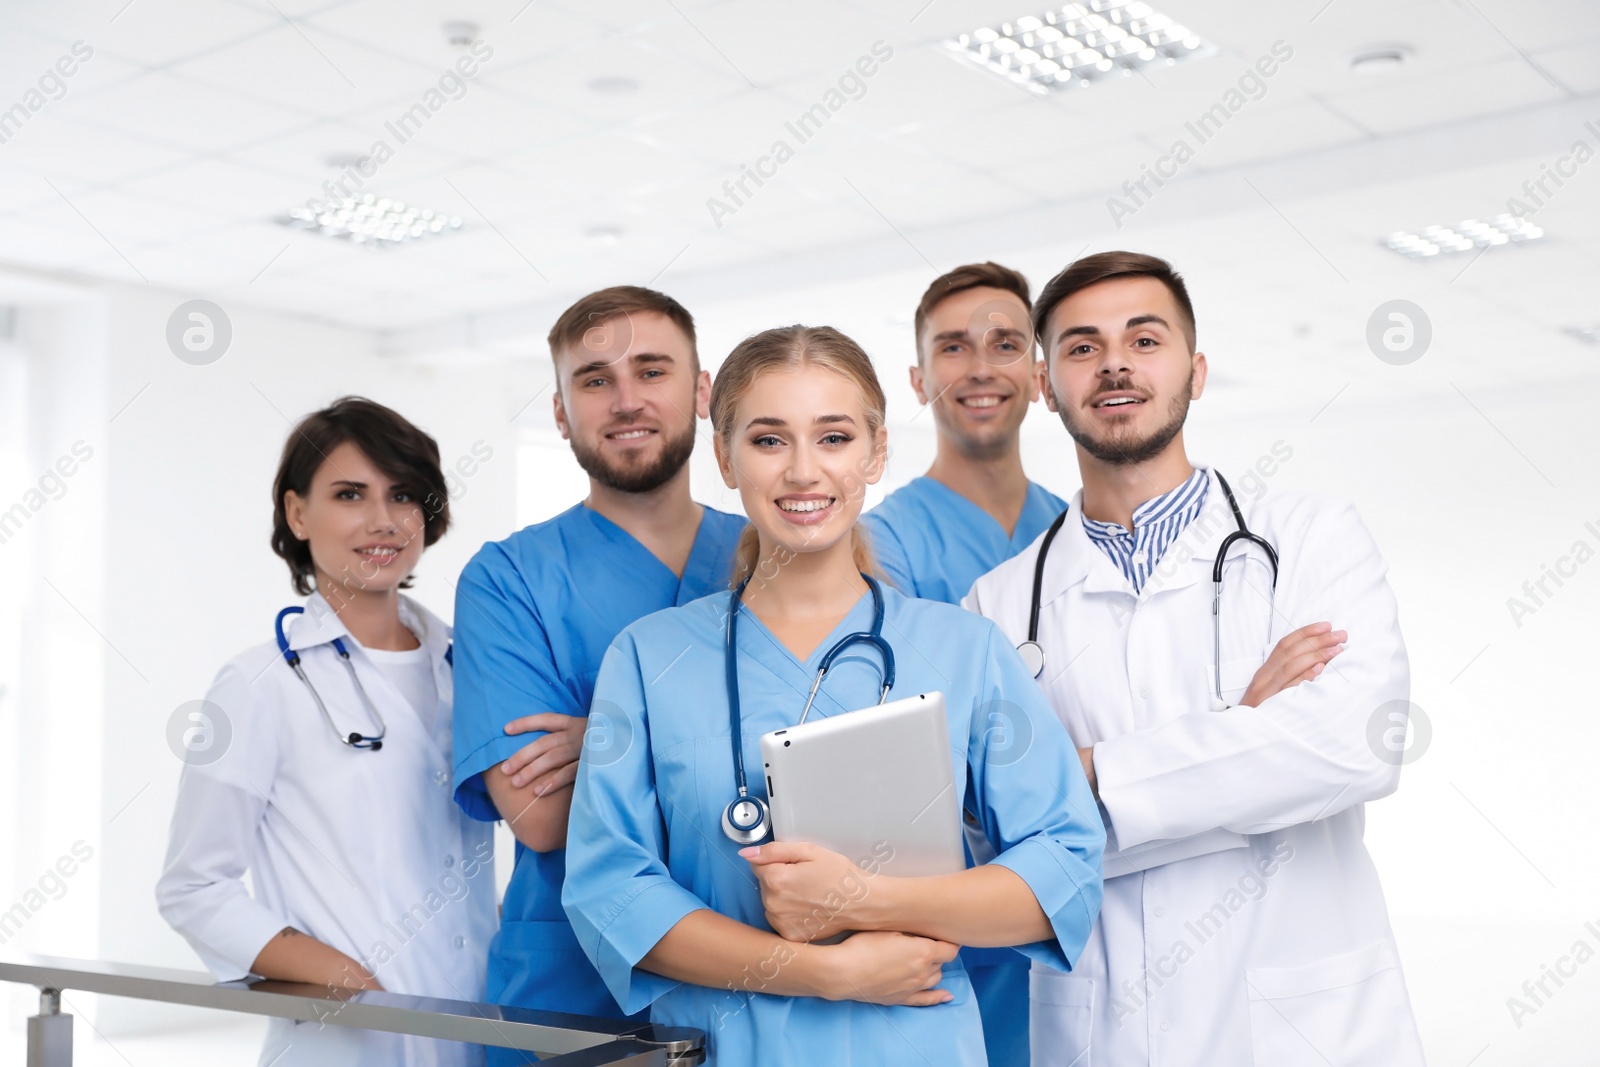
pixel 1129 453
pixel 644 478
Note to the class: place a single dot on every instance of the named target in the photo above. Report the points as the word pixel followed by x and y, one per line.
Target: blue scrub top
pixel 934 543
pixel 534 615
pixel 646 848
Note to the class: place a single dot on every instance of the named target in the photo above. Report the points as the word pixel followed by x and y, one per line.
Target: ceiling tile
pixel 666 83
pixel 765 43
pixel 226 188
pixel 1577 66
pixel 332 76
pixel 486 123
pixel 916 82
pixel 1269 133
pixel 61 148
pixel 168 110
pixel 415 29
pixel 1492 88
pixel 1101 168
pixel 152 32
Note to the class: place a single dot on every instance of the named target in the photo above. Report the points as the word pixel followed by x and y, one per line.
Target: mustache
pixel 1119 385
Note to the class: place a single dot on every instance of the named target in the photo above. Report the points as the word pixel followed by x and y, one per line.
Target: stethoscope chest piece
pixel 746 821
pixel 1032 657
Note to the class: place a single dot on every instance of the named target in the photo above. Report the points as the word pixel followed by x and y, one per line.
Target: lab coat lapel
pixel 1189 558
pixel 317 625
pixel 1073 558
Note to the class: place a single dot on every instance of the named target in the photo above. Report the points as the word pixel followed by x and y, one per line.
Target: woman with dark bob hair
pixel 319 762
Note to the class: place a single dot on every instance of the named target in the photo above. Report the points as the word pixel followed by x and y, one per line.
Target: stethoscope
pixel 1033 654
pixel 747 820
pixel 355 740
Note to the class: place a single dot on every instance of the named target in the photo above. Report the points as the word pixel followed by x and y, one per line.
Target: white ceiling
pixel 196 123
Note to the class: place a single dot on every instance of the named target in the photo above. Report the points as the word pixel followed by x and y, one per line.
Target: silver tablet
pixel 876 786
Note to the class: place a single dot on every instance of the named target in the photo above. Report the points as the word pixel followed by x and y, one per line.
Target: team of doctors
pixel 1162 735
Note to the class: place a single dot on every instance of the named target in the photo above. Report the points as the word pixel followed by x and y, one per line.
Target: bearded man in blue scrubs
pixel 536 612
pixel 972 511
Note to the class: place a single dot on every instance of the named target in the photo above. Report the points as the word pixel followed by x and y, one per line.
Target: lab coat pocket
pixel 1236 675
pixel 1060 1018
pixel 1345 1009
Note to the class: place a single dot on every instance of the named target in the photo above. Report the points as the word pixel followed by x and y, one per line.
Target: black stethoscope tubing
pixel 1033 653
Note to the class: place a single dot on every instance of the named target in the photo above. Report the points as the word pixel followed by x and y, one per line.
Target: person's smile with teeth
pixel 806 504
pixel 981 400
pixel 1118 400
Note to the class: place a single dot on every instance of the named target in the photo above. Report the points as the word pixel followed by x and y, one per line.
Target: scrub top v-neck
pixel 934 543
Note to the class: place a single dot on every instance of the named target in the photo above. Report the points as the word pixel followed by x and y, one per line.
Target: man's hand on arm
pixel 1299 657
pixel 532 789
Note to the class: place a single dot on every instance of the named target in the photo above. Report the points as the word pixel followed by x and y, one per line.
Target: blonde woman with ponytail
pixel 678 917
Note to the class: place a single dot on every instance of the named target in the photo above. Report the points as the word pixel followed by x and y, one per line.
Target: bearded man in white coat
pixel 1243 920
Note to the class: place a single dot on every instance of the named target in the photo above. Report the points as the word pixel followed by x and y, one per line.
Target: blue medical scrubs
pixel 534 615
pixel 933 542
pixel 645 846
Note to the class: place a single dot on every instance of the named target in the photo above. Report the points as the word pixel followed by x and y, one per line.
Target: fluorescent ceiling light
pixel 372 220
pixel 1079 44
pixel 1464 236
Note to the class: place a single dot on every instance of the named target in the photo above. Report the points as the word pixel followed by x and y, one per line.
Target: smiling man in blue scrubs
pixel 536 612
pixel 972 511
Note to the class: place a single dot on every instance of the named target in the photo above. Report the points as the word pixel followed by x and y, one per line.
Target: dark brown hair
pixel 1101 267
pixel 988 275
pixel 787 348
pixel 602 305
pixel 395 447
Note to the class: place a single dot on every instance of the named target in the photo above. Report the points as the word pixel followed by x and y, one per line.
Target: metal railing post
pixel 49 1033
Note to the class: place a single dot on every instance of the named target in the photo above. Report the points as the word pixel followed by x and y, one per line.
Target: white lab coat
pixel 364 850
pixel 1243 922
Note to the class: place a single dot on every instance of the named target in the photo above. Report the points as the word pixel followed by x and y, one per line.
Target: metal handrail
pixel 560 1040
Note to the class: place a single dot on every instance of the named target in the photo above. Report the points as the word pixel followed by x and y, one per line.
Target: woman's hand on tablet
pixel 808 892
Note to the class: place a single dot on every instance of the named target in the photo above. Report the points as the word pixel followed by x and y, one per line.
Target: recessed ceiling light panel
pixel 371 220
pixel 1079 44
pixel 1464 236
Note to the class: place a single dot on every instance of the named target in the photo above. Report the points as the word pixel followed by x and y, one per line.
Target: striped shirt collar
pixel 1156 524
